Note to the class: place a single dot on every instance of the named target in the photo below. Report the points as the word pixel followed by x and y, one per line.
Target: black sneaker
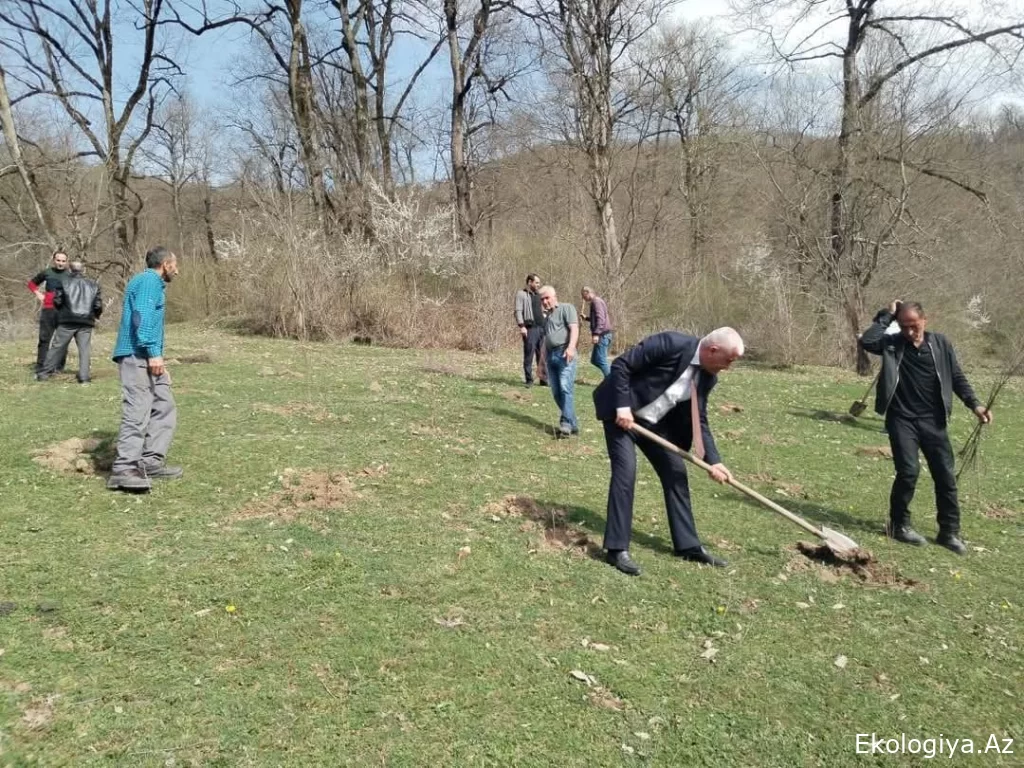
pixel 952 542
pixel 129 480
pixel 164 472
pixel 905 534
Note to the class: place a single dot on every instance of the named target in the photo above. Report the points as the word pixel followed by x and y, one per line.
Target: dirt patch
pixel 861 565
pixel 39 713
pixel 78 456
pixel 996 512
pixel 288 410
pixel 514 397
pixel 605 699
pixel 190 359
pixel 733 434
pixel 730 408
pixel 875 451
pixel 309 491
pixel 555 533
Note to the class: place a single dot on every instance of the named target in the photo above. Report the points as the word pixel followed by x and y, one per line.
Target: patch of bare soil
pixel 514 397
pixel 997 512
pixel 730 408
pixel 309 491
pixel 555 533
pixel 79 455
pixel 39 713
pixel 308 410
pixel 202 357
pixel 875 451
pixel 861 564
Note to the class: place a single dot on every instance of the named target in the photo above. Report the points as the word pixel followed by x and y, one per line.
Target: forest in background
pixel 394 168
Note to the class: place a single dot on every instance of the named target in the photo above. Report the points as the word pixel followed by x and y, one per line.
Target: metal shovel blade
pixel 839 543
pixel 858 408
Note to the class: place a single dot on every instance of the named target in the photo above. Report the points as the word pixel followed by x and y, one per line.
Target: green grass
pixel 404 625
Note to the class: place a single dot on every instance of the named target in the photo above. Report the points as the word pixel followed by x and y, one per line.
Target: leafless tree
pixel 914 40
pixel 65 51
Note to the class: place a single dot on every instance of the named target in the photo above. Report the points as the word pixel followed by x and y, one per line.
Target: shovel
pixel 841 545
pixel 862 405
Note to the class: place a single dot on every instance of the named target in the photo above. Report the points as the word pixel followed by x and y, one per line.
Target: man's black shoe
pixel 905 534
pixel 621 560
pixel 130 480
pixel 951 542
pixel 701 555
pixel 163 472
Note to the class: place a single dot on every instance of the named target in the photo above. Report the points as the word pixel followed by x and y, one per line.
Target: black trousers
pixel 47 327
pixel 907 436
pixel 533 350
pixel 671 471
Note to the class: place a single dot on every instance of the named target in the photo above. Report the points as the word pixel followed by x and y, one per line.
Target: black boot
pixel 905 534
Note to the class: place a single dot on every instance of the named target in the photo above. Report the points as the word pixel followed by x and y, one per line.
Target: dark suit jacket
pixel 643 372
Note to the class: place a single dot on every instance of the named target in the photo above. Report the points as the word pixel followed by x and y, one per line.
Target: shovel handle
pixel 734 483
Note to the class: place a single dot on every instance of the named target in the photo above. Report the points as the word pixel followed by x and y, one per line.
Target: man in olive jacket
pixel 920 374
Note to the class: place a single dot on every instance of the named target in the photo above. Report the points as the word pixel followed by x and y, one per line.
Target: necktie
pixel 697 448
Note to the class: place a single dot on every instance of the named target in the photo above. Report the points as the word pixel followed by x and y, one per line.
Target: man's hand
pixel 523 331
pixel 570 354
pixel 624 418
pixel 894 307
pixel 984 414
pixel 596 339
pixel 156 366
pixel 41 296
pixel 719 473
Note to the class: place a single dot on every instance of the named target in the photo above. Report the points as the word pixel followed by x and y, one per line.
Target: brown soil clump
pixel 996 512
pixel 309 491
pixel 78 456
pixel 875 451
pixel 860 564
pixel 557 534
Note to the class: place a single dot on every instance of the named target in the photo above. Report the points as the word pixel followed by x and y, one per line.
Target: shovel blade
pixel 858 408
pixel 838 542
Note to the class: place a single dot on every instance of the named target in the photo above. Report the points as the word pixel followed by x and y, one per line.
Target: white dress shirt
pixel 679 391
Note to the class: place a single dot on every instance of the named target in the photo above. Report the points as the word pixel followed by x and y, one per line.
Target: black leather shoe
pixel 163 472
pixel 623 562
pixel 701 555
pixel 905 534
pixel 951 541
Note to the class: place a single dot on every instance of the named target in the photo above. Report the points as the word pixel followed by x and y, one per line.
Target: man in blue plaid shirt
pixel 148 414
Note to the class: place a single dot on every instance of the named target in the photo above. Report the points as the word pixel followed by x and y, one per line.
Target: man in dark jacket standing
pixel 44 286
pixel 920 374
pixel 663 383
pixel 79 304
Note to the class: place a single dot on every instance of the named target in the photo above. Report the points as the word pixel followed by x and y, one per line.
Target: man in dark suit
pixel 652 383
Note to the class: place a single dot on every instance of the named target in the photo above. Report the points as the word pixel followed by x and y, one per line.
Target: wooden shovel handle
pixel 734 483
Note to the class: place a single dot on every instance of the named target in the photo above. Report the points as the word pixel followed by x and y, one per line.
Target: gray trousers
pixel 148 417
pixel 82 334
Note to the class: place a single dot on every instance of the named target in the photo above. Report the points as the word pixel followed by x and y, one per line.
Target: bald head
pixel 720 349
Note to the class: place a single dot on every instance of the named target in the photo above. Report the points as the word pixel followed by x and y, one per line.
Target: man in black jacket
pixel 653 383
pixel 44 286
pixel 920 374
pixel 79 304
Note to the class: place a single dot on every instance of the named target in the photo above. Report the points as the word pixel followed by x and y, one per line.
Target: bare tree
pixel 588 42
pixel 65 51
pixel 915 40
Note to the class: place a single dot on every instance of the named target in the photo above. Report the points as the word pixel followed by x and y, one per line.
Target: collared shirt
pixel 600 323
pixel 142 317
pixel 679 391
pixel 556 326
pixel 917 391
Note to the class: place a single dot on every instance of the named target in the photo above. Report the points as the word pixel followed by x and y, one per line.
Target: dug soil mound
pixel 861 565
pixel 552 529
pixel 78 456
pixel 311 491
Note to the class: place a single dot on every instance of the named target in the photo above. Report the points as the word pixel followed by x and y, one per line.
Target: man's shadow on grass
pixel 593 525
pixel 523 418
pixel 872 425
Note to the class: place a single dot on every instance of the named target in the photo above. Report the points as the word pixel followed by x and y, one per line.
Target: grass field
pixel 380 557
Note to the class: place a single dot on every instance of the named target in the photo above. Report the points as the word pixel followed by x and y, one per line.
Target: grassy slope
pixel 338 650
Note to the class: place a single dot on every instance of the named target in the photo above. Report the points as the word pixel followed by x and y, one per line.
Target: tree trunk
pixel 211 243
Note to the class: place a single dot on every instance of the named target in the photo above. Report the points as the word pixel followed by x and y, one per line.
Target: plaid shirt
pixel 142 318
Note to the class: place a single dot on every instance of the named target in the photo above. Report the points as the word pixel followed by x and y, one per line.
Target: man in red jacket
pixel 44 286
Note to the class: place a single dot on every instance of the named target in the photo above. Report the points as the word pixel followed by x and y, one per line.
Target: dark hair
pixel 530 277
pixel 157 256
pixel 59 250
pixel 913 306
